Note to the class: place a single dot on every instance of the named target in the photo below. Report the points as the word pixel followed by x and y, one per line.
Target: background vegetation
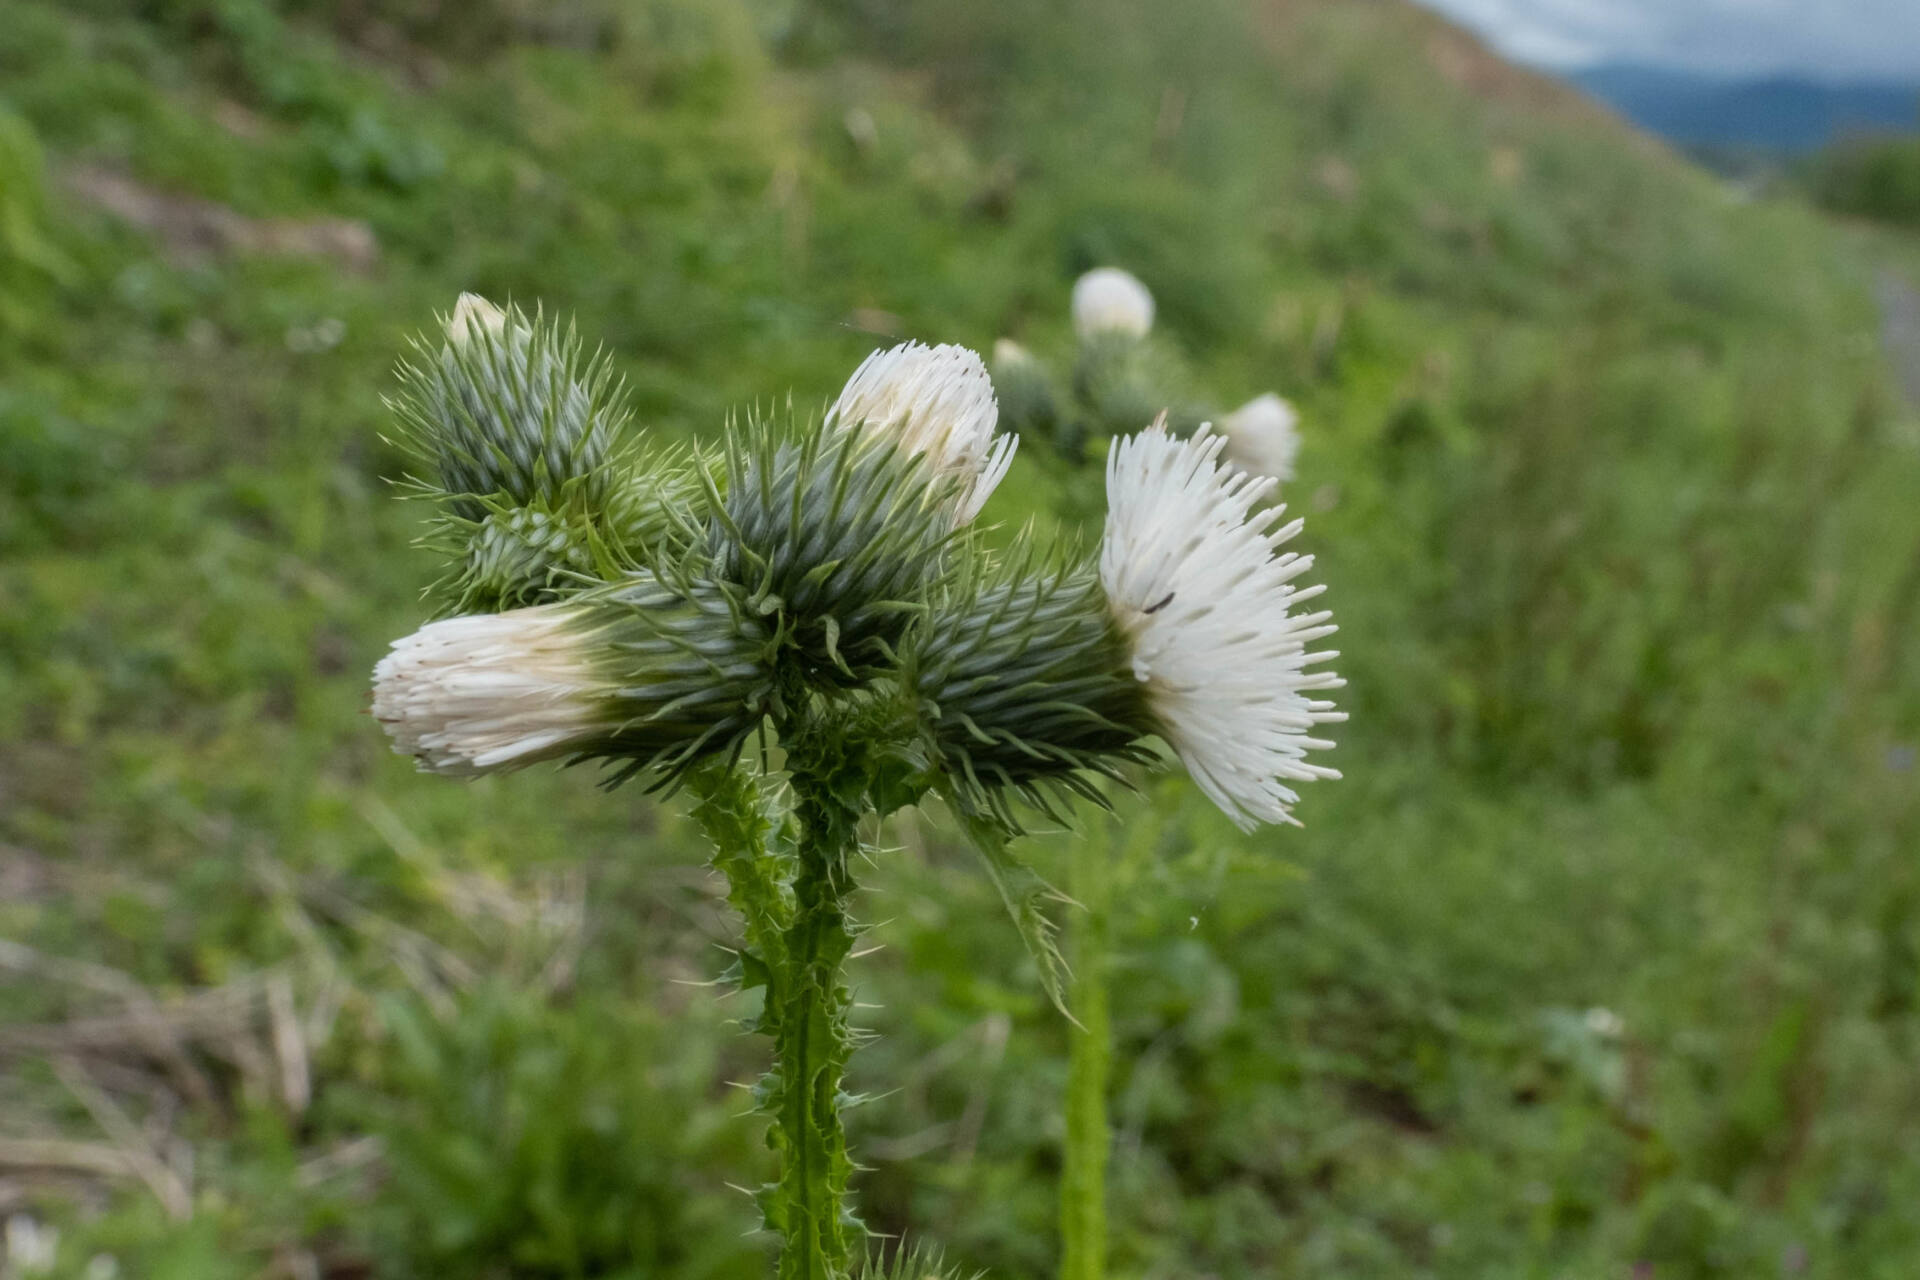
pixel 1873 178
pixel 1603 960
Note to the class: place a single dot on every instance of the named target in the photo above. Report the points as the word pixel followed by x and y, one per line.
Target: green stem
pixel 1083 1185
pixel 807 1016
pixel 752 849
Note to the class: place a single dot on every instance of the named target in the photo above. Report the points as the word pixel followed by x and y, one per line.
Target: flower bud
pixel 473 316
pixel 932 402
pixel 1026 392
pixel 1262 437
pixel 1007 353
pixel 518 556
pixel 510 412
pixel 1109 300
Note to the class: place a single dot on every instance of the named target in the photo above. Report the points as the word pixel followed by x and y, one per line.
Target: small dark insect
pixel 1155 608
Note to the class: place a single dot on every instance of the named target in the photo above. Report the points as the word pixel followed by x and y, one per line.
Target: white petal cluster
pixel 1263 436
pixel 1208 604
pixel 472 695
pixel 472 316
pixel 1109 300
pixel 936 401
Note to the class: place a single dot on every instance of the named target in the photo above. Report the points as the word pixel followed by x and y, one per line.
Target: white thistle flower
pixel 936 401
pixel 1263 436
pixel 474 315
pixel 466 696
pixel 1208 608
pixel 1109 300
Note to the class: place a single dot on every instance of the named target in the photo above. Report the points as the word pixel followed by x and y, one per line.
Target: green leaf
pixel 1026 896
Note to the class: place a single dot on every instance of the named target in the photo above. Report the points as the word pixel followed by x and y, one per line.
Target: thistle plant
pixel 801 628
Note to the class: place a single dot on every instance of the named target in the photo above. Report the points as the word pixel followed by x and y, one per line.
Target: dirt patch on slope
pixel 190 229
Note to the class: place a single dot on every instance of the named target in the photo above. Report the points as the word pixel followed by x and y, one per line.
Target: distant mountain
pixel 1780 113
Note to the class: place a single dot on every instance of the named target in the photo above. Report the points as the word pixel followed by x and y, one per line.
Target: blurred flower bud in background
pixel 1109 300
pixel 1263 436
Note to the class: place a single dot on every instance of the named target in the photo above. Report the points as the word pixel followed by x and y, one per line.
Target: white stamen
pixel 473 695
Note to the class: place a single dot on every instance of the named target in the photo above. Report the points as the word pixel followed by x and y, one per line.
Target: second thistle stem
pixel 1083 1184
pixel 807 1011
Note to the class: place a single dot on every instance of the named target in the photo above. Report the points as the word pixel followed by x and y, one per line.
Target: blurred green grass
pixel 1606 952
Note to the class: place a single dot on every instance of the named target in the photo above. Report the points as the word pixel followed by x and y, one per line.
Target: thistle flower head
pixel 1263 436
pixel 1109 300
pixel 1025 683
pixel 935 402
pixel 642 673
pixel 836 536
pixel 1208 604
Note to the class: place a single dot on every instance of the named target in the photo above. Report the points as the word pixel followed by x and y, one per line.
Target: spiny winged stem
pixel 752 848
pixel 790 878
pixel 807 1011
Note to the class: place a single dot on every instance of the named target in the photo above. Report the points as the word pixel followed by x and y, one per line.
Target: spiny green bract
pixel 525 443
pixel 532 554
pixel 838 536
pixel 512 410
pixel 915 1261
pixel 691 669
pixel 1024 686
pixel 518 556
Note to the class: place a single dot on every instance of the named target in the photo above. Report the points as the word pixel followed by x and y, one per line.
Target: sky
pixel 1825 39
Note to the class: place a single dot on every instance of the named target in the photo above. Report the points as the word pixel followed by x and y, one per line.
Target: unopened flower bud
pixel 1027 398
pixel 1007 353
pixel 510 411
pixel 474 316
pixel 935 402
pixel 1263 437
pixel 1109 300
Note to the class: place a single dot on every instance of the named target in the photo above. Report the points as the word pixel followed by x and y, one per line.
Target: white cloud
pixel 1841 39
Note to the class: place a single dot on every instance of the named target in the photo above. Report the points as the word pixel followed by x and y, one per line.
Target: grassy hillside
pixel 1605 952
